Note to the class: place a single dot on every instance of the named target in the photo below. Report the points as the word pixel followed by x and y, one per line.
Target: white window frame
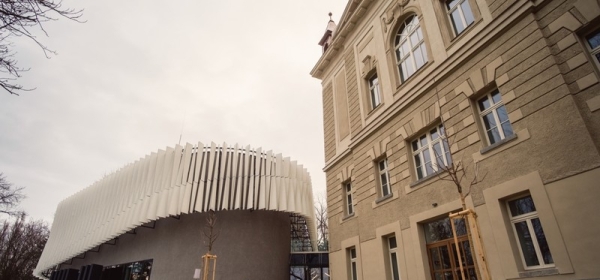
pixel 384 172
pixel 420 46
pixel 428 149
pixel 493 109
pixel 349 198
pixel 374 90
pixel 458 7
pixel 527 217
pixel 353 264
pixel 393 264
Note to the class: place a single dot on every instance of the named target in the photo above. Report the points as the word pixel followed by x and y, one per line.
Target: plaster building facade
pixel 507 89
pixel 148 219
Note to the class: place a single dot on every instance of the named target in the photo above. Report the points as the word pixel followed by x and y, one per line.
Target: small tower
pixel 328 36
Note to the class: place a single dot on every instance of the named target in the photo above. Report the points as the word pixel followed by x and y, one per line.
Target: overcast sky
pixel 127 81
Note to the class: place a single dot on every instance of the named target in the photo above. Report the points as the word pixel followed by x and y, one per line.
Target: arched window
pixel 411 53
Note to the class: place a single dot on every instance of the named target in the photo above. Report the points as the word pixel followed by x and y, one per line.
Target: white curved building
pixel 124 217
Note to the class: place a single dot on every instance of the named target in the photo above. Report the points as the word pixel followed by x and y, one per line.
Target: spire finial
pixel 330 14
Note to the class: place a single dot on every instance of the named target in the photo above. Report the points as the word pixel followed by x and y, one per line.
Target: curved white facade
pixel 176 181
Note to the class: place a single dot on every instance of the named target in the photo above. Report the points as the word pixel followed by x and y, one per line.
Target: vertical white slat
pixel 174 206
pixel 262 196
pixel 250 178
pixel 268 179
pixel 226 186
pixel 275 184
pixel 210 185
pixel 152 212
pixel 235 176
pixel 223 191
pixel 165 188
pixel 285 185
pixel 186 183
pixel 198 184
pixel 201 199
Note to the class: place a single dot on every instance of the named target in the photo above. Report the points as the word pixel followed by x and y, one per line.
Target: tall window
pixel 530 235
pixel 384 177
pixel 374 91
pixel 460 14
pixel 411 53
pixel 349 206
pixel 431 152
pixel 392 247
pixel 494 117
pixel 593 40
pixel 353 270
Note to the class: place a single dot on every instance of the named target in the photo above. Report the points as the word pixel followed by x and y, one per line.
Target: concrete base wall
pixel 251 246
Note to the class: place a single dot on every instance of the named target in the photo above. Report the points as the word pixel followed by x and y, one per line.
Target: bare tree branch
pixel 9 197
pixel 19 19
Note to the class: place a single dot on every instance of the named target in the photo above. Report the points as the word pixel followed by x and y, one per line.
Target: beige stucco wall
pixel 531 52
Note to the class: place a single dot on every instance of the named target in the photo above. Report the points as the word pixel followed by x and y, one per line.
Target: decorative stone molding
pixel 379 149
pixel 369 63
pixel 393 12
pixel 420 121
pixel 346 173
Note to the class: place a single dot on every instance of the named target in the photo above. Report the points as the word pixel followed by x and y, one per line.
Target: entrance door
pixel 441 251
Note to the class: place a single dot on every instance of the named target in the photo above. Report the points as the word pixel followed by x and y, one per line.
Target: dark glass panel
pixel 526 242
pixel 542 243
pixel 521 206
pixel 594 39
pixel 395 272
pixel 392 241
pixel 484 103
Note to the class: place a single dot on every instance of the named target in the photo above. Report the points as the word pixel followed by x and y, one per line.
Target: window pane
pixel 435 258
pixel 415 145
pixel 409 66
pixel 502 114
pixel 484 103
pixel 541 239
pixel 496 97
pixel 399 54
pixel 457 22
pixel 494 135
pixel 507 128
pixel 594 39
pixel 467 12
pixel 402 68
pixel 526 244
pixel 521 206
pixel 353 253
pixel 445 257
pixel 392 242
pixel 418 165
pixel 414 39
pixel 434 134
pixel 489 121
pixel 419 58
pixel 423 140
pixel 382 165
pixel 424 52
pixel 354 276
pixel 395 273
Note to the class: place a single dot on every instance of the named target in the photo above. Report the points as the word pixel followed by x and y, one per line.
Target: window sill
pixel 384 198
pixel 498 144
pixel 426 178
pixel 347 217
pixel 538 272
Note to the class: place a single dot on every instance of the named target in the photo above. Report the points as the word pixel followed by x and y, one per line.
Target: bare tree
pixel 322 225
pixel 209 231
pixel 9 197
pixel 19 18
pixel 21 245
